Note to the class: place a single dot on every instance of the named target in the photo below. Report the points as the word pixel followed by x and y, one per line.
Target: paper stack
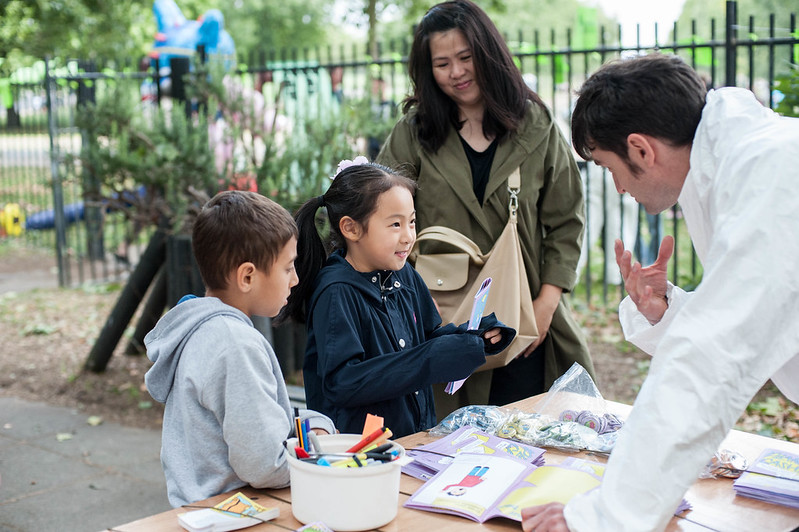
pixel 774 477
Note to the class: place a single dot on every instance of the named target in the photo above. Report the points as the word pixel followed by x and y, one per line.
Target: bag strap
pixel 514 186
pixel 440 233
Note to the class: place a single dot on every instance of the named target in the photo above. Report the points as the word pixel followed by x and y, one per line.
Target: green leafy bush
pixel 788 85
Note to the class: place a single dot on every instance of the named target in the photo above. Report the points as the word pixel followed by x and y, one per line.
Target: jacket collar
pixel 453 163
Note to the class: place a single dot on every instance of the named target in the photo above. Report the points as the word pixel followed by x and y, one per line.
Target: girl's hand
pixel 493 335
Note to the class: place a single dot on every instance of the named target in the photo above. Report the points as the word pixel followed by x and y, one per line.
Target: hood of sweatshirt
pixel 166 341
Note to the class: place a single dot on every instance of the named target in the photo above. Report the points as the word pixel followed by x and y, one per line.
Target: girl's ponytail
pixel 311 256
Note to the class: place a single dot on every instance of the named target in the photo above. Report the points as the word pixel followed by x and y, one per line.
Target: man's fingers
pixel 618 247
pixel 665 251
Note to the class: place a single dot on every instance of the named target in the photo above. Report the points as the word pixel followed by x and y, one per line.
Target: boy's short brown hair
pixel 235 227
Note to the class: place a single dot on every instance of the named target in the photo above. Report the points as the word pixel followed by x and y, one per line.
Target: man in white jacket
pixel 733 165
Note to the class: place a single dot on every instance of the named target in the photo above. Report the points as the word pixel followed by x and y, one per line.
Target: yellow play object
pixel 12 220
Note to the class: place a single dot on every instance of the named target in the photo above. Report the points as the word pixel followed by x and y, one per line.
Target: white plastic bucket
pixel 344 498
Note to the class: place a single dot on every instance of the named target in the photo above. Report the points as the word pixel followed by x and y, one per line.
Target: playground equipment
pixel 12 220
pixel 180 37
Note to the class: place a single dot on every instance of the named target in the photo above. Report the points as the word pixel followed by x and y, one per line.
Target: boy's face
pixel 272 289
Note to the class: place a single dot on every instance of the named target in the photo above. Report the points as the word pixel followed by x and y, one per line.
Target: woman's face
pixel 453 68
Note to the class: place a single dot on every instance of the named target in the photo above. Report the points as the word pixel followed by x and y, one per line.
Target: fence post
pixel 91 185
pixel 58 191
pixel 730 43
pixel 179 67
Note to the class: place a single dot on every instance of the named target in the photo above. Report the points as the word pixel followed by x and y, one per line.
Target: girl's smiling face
pixel 386 240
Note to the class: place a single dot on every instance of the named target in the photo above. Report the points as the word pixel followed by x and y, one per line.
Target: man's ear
pixel 350 229
pixel 641 149
pixel 245 276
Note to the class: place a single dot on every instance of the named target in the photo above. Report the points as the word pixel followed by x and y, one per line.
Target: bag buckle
pixel 514 200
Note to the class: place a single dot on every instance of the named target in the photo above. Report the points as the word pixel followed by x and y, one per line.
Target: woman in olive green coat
pixel 469 123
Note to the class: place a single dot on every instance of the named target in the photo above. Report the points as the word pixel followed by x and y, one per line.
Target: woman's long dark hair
pixel 354 193
pixel 502 87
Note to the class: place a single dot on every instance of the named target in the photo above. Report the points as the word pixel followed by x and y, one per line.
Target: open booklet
pixel 431 458
pixel 774 477
pixel 481 487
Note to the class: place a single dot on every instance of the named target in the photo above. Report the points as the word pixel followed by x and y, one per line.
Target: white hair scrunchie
pixel 346 163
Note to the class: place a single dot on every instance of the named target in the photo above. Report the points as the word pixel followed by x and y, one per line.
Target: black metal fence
pixel 39 139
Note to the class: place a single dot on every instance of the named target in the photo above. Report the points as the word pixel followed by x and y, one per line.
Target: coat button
pixel 374 279
pixel 402 343
pixel 416 392
pixel 396 284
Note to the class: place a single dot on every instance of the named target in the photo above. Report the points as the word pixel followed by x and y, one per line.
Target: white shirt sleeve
pixel 637 329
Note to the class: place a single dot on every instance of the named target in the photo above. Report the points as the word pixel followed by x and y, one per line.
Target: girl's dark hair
pixel 354 193
pixel 502 87
pixel 658 95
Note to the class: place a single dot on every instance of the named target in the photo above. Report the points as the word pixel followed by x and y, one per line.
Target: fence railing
pixel 39 141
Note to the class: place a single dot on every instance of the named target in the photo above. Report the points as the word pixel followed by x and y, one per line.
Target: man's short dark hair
pixel 235 227
pixel 657 95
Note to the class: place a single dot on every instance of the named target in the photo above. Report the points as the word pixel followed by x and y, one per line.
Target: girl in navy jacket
pixel 375 339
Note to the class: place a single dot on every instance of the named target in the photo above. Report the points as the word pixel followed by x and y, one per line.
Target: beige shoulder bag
pixel 454 278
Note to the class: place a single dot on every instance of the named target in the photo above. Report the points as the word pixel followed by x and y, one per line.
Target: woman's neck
pixel 472 129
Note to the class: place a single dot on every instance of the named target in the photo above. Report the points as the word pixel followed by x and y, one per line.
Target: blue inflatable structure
pixel 180 37
pixel 74 212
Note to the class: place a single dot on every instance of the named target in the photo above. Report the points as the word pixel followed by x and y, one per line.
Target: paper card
pixel 371 424
pixel 235 512
pixel 474 323
pixel 479 304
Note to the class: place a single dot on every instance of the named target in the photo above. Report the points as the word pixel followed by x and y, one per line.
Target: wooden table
pixel 715 505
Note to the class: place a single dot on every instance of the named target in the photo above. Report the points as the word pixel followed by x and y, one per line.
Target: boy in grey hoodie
pixel 227 409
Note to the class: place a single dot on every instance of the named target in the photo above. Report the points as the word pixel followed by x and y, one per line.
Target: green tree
pixel 31 30
pixel 257 25
pixel 515 17
pixel 701 12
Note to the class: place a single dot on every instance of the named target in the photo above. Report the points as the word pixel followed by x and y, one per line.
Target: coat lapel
pixel 454 167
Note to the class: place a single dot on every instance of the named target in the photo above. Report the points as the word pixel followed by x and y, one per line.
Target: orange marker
pixel 367 440
pixel 380 439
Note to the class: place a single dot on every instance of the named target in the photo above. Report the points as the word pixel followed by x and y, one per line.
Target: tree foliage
pixel 33 29
pixel 703 11
pixel 257 25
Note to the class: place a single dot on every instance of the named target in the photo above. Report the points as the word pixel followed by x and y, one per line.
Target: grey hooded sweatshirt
pixel 227 409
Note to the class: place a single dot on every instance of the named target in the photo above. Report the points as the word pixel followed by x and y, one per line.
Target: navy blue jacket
pixel 376 345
